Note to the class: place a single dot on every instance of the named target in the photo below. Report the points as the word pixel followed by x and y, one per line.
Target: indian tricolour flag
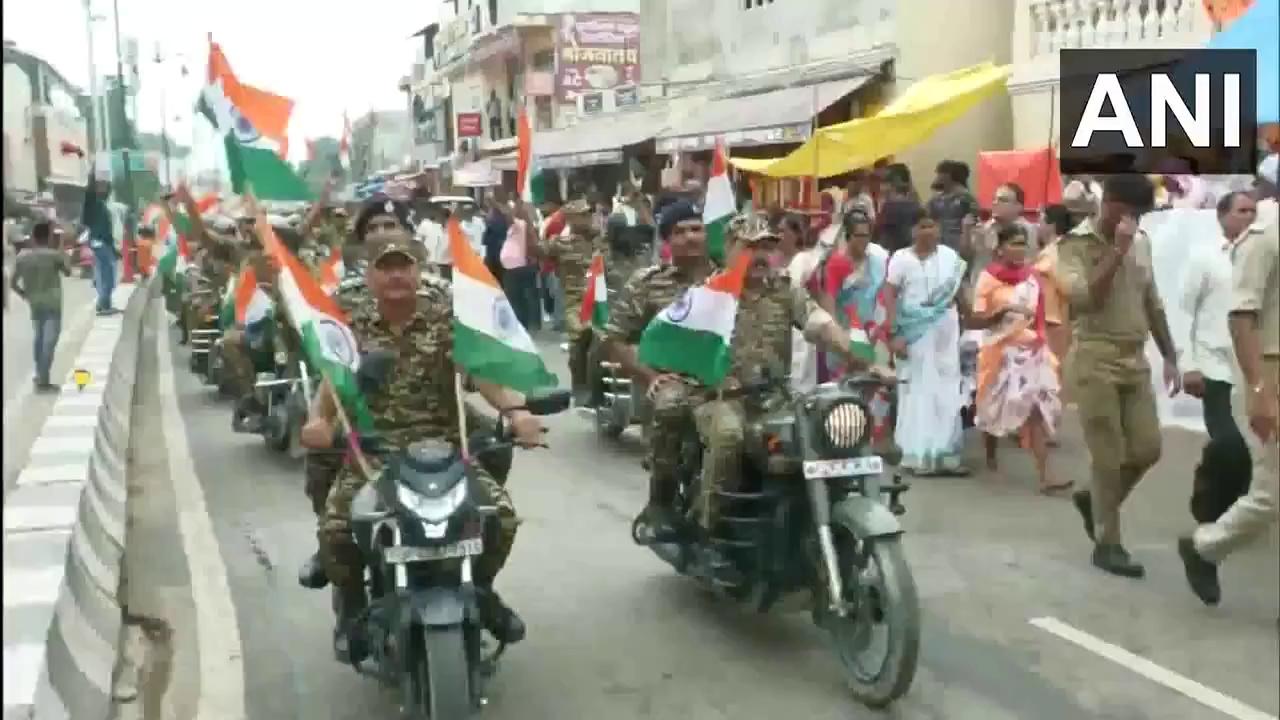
pixel 489 343
pixel 860 342
pixel 719 206
pixel 327 341
pixel 252 302
pixel 332 270
pixel 693 335
pixel 528 176
pixel 595 303
pixel 177 254
pixel 227 313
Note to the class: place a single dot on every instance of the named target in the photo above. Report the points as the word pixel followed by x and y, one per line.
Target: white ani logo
pixel 1164 96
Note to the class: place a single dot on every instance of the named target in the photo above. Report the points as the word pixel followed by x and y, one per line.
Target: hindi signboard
pixel 596 52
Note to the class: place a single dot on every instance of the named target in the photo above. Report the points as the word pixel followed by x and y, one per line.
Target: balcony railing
pixel 1052 25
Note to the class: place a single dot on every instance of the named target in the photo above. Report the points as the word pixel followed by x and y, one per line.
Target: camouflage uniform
pixel 322 466
pixel 572 253
pixel 761 345
pixel 418 403
pixel 647 293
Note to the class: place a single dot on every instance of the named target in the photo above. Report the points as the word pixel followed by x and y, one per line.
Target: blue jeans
pixel 104 274
pixel 551 282
pixel 47 326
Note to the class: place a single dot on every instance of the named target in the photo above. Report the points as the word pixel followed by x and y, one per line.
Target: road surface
pixel 1017 624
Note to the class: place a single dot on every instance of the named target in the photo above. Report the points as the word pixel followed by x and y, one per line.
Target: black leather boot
pixel 499 619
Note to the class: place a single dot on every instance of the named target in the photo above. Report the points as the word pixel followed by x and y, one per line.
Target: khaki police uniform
pixel 1256 261
pixel 1109 371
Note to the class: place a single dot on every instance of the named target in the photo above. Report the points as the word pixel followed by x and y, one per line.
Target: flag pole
pixel 344 422
pixel 461 398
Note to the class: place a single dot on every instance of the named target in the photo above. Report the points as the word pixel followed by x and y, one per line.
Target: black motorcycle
pixel 813 519
pixel 283 395
pixel 206 332
pixel 419 525
pixel 617 407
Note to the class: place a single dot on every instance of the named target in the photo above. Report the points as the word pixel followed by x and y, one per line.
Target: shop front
pixel 766 120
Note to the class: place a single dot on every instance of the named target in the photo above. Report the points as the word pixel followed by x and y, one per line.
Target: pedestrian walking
pixel 923 307
pixel 97 220
pixel 1208 361
pixel 520 266
pixel 1018 390
pixel 37 278
pixel 1106 267
pixel 1255 337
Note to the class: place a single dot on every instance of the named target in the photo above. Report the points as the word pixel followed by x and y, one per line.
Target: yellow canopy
pixel 921 110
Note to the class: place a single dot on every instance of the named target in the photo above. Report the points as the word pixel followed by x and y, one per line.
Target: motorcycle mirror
pixel 548 402
pixel 375 368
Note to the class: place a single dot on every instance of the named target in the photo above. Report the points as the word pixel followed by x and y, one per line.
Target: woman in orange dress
pixel 1018 387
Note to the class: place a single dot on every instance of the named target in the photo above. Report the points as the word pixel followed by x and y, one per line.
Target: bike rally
pixel 686 410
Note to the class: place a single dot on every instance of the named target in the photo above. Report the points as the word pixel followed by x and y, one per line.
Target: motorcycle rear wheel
pixel 444 676
pixel 891 602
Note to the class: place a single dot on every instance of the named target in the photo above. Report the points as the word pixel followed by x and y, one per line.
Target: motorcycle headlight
pixel 845 425
pixel 432 509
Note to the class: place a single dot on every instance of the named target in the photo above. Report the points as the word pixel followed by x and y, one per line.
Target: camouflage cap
pixel 757 230
pixel 382 246
pixel 576 207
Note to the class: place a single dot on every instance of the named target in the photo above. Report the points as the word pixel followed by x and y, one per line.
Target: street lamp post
pixel 164 121
pixel 127 186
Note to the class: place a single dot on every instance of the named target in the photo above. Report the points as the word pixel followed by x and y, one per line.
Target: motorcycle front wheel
pixel 882 592
pixel 444 676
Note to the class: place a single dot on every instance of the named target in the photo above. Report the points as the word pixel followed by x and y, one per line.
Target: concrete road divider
pixel 64 533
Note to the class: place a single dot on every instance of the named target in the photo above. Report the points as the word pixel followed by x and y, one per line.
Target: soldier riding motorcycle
pixel 420 627
pixel 764 495
pixel 630 248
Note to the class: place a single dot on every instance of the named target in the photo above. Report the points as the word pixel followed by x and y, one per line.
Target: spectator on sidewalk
pixel 430 232
pixel 1107 270
pixel 37 278
pixel 98 221
pixel 1208 362
pixel 472 226
pixel 1255 337
pixel 952 203
pixel 520 266
pixel 496 224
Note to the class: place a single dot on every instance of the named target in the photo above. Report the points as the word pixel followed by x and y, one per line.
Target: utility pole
pixel 127 187
pixel 164 120
pixel 98 139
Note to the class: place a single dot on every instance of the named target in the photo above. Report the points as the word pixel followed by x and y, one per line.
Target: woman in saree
pixel 923 306
pixel 1018 387
pixel 852 278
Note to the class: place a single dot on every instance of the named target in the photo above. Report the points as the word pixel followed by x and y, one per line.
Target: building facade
pixel 45 135
pixel 778 67
pixel 380 143
pixel 1043 27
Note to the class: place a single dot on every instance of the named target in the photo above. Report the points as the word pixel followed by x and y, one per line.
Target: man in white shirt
pixel 430 232
pixel 1208 362
pixel 472 226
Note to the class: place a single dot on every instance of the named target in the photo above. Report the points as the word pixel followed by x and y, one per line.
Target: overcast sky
pixel 326 60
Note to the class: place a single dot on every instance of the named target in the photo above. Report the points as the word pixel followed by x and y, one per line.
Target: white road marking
pixel 1206 696
pixel 217 632
pixel 16 405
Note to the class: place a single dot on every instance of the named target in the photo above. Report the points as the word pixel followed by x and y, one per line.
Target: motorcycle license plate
pixel 405 554
pixel 867 465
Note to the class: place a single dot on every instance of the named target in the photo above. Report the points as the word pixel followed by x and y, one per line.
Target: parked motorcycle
pixel 813 520
pixel 419 526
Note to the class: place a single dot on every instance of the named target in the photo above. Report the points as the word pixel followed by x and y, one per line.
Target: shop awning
pixel 763 118
pixel 480 173
pixel 917 114
pixel 598 140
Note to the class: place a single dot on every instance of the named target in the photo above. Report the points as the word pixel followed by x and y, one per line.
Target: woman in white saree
pixel 922 304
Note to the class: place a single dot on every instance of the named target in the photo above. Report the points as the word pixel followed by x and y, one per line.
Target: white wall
pixel 508 9
pixel 21 164
pixel 692 40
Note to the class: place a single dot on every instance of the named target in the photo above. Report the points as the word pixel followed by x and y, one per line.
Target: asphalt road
pixel 615 633
pixel 24 410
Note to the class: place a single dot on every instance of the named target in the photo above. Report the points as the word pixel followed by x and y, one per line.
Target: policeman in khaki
pixel 1255 334
pixel 1105 266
